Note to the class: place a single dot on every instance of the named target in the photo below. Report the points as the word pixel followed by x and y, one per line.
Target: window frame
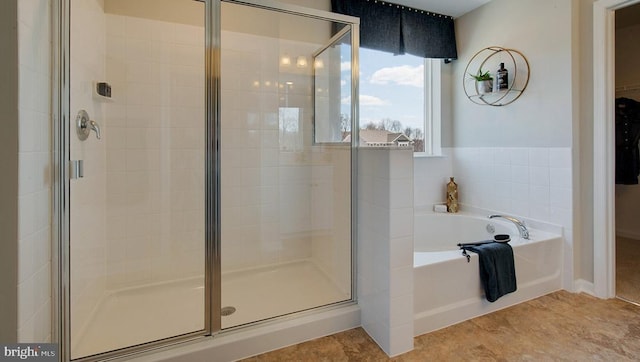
pixel 432 109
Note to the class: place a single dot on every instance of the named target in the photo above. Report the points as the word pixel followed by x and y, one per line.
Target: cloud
pixel 345 66
pixel 401 75
pixel 343 82
pixel 366 100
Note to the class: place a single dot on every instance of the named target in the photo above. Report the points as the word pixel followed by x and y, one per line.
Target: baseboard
pixel 584 286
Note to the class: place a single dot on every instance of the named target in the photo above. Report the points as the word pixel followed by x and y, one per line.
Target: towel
pixel 497 269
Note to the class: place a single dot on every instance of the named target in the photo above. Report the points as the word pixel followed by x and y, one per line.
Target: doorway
pixel 604 246
pixel 627 129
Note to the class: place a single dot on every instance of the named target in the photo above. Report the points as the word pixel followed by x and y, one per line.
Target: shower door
pixel 286 217
pixel 196 197
pixel 137 190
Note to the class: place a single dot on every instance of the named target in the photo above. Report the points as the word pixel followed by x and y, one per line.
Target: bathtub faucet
pixel 524 232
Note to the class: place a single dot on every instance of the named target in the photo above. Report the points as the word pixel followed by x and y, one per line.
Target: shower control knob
pixel 84 126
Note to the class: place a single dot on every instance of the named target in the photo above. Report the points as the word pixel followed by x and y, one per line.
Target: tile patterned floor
pixel 557 327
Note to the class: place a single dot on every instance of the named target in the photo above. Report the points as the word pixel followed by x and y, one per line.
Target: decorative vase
pixel 452 196
pixel 484 86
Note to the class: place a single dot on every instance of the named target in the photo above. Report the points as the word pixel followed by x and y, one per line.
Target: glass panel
pixel 332 87
pixel 137 214
pixel 286 202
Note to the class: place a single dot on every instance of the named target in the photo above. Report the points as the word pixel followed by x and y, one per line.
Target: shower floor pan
pixel 147 313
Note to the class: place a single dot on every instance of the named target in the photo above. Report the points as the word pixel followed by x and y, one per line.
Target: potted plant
pixel 484 81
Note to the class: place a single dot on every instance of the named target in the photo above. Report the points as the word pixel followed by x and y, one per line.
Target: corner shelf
pixel 515 62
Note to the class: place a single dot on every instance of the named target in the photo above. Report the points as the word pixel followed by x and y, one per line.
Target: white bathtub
pixel 447 289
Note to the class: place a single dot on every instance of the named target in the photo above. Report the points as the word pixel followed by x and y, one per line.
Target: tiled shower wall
pixel 155 151
pixel 87 220
pixel 282 198
pixel 34 230
pixel 270 175
pixel 266 189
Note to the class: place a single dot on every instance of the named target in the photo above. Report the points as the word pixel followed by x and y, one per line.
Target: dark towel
pixel 497 269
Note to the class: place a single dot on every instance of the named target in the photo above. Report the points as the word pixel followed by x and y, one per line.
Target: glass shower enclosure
pixel 207 168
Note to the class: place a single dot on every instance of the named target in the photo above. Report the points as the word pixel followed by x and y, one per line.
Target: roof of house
pixel 382 136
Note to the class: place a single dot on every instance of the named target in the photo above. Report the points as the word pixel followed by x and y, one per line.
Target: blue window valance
pixel 399 29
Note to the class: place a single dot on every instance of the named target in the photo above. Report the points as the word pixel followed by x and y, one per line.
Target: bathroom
pixel 531 159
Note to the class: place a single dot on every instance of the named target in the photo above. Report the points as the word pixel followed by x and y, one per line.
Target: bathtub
pixel 447 288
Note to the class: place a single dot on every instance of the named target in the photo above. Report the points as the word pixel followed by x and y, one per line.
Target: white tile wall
pixel 154 132
pixel 331 214
pixel 283 199
pixel 34 215
pixel 431 176
pixel 531 183
pixel 88 195
pixel 385 247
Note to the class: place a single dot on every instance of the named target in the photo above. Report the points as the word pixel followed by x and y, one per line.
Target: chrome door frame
pixel 61 319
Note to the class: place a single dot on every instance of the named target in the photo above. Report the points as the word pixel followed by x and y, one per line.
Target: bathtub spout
pixel 524 232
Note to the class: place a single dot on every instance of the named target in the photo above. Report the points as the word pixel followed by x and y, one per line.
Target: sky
pixel 390 87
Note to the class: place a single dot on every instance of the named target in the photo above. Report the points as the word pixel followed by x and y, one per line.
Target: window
pixel 400 101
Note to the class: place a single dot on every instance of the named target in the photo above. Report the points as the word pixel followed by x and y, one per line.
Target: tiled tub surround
pixel 447 289
pixel 530 183
pixel 533 183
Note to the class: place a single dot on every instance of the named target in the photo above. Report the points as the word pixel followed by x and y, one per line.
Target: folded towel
pixel 497 269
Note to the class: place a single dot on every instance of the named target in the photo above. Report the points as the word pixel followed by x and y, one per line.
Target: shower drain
pixel 226 311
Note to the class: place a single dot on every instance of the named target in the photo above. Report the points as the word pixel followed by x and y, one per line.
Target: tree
pixel 371 126
pixel 390 125
pixel 345 122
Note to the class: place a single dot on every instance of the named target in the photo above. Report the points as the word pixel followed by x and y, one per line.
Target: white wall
pixel 627 74
pixel 583 143
pixel 542 116
pixel 34 196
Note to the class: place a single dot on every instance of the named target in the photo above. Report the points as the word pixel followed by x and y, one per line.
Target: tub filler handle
pixel 522 229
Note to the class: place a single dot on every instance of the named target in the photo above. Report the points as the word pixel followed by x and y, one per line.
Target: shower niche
pixel 171 239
